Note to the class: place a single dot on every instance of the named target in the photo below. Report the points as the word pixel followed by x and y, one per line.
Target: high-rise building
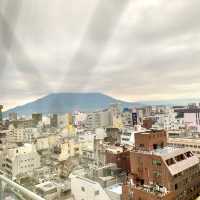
pixel 161 172
pixel 12 116
pixel 36 117
pixel 54 120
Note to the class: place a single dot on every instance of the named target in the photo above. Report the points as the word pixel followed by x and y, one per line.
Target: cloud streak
pixel 135 50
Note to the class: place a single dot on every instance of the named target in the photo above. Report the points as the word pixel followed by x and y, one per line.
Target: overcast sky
pixel 130 49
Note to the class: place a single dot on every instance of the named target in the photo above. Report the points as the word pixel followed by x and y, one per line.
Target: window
pixel 189 154
pixel 96 193
pixel 82 189
pixel 156 174
pixel 170 161
pixel 156 162
pixel 176 186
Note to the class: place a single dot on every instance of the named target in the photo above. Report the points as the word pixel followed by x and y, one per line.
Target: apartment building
pixel 193 144
pixel 21 161
pixel 161 172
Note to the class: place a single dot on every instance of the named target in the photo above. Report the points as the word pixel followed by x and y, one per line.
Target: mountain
pixel 68 102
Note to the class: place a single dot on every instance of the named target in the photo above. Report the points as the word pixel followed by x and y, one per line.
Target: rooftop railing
pixel 18 189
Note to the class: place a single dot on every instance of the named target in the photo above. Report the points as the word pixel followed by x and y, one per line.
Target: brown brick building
pixel 160 172
pixel 121 158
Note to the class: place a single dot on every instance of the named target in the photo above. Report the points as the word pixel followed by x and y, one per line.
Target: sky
pixel 132 49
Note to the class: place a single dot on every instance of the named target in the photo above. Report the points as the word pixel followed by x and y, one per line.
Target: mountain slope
pixel 68 102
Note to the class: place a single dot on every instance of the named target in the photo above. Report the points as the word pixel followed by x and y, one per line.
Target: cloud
pixel 135 50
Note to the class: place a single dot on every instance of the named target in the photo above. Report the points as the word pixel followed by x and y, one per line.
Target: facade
pixel 37 118
pixel 161 172
pixel 120 156
pixel 65 149
pixel 169 120
pixel 24 135
pixel 48 190
pixel 22 123
pixel 191 116
pixel 85 189
pixel 128 135
pixel 54 120
pixel 12 116
pixel 101 183
pixel 100 119
pixel 193 144
pixel 21 161
pixel 127 117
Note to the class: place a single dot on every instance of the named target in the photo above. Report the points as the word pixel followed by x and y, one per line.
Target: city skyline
pixel 132 51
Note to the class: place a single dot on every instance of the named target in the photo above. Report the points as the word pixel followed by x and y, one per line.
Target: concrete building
pixel 128 135
pixel 48 190
pixel 161 172
pixel 191 116
pixel 54 120
pixel 99 119
pixel 100 183
pixel 64 149
pixel 22 123
pixel 12 116
pixel 24 135
pixel 120 156
pixel 85 189
pixel 21 161
pixel 168 120
pixel 127 117
pixel 36 118
pixel 193 144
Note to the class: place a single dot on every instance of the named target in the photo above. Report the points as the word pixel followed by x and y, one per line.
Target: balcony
pixel 10 190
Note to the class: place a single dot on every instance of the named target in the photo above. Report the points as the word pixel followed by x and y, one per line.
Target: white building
pixel 48 190
pixel 21 160
pixel 100 119
pixel 169 121
pixel 86 189
pixel 64 149
pixel 128 135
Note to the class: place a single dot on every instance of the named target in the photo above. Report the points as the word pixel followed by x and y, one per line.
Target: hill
pixel 68 102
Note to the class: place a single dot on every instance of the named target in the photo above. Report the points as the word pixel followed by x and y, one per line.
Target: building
pixel 48 190
pixel 191 116
pixel 107 118
pixel 54 120
pixel 84 188
pixel 101 183
pixel 148 122
pixel 21 161
pixel 12 116
pixel 1 115
pixel 23 135
pixel 64 149
pixel 127 117
pixel 161 172
pixel 169 120
pixel 120 156
pixel 193 144
pixel 128 135
pixel 22 123
pixel 99 119
pixel 36 118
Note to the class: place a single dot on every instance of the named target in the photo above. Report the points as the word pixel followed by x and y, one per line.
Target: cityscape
pixel 146 152
pixel 99 100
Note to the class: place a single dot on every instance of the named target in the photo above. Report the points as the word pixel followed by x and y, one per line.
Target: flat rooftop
pixel 117 189
pixel 45 187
